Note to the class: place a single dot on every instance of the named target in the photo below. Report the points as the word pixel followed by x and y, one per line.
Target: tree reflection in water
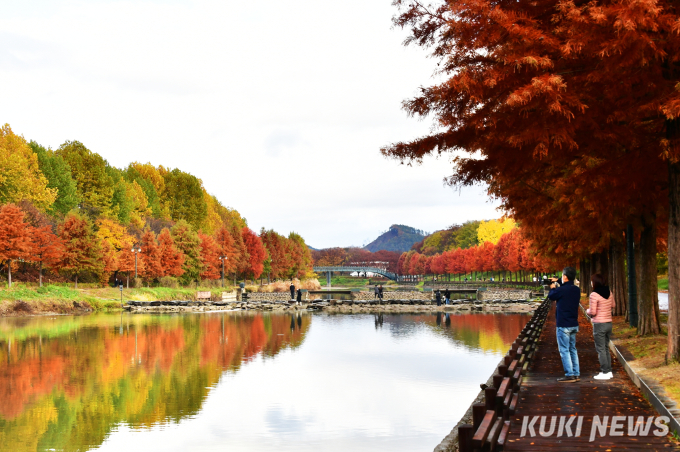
pixel 66 382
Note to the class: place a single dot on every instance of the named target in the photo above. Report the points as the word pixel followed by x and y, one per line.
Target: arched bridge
pixel 379 271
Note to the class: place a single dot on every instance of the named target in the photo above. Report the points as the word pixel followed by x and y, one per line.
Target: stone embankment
pixel 350 306
pixel 396 295
pixel 503 294
pixel 341 306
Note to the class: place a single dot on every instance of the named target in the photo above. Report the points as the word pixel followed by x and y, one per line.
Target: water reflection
pixel 242 381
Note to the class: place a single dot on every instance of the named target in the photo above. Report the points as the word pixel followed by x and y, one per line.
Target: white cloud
pixel 279 107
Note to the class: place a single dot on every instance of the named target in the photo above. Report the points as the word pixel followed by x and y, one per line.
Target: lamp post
pixel 223 259
pixel 136 251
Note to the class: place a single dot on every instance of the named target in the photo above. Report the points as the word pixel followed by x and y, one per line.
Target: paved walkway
pixel 542 395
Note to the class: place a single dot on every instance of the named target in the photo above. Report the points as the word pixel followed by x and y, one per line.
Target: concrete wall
pixel 504 294
pixel 273 296
pixel 396 295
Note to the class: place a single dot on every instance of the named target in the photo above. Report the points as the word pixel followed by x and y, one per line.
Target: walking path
pixel 542 395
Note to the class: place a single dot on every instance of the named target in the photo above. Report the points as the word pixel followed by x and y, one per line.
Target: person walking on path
pixel 567 301
pixel 447 296
pixel 438 297
pixel 292 291
pixel 376 291
pixel 600 310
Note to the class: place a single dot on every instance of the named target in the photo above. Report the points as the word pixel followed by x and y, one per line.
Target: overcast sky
pixel 280 107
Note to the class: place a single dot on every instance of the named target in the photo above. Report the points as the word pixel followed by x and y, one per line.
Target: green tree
pixel 89 169
pixel 187 241
pixel 20 175
pixel 122 204
pixel 183 195
pixel 466 236
pixel 145 178
pixel 59 178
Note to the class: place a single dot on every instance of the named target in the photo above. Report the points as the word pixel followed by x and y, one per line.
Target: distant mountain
pixel 312 248
pixel 398 238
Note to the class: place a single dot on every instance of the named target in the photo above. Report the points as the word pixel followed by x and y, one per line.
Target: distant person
pixel 438 297
pixel 534 279
pixel 380 292
pixel 299 296
pixel 292 291
pixel 376 291
pixel 567 301
pixel 600 310
pixel 447 296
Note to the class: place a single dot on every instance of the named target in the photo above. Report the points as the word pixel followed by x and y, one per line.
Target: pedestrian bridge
pixel 376 270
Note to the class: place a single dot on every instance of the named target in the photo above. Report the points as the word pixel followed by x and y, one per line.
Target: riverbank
pixel 55 299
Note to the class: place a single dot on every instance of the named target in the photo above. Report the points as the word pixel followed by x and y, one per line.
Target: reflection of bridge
pixel 376 270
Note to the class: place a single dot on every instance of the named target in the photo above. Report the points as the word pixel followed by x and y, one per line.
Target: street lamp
pixel 136 251
pixel 223 259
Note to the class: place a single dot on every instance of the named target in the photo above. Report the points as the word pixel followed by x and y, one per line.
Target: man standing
pixel 292 290
pixel 567 298
pixel 376 292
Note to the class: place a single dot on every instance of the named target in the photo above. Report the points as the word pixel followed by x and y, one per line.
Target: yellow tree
pixel 493 230
pixel 20 175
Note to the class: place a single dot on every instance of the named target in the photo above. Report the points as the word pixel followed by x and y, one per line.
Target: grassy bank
pixel 663 283
pixel 23 300
pixel 649 353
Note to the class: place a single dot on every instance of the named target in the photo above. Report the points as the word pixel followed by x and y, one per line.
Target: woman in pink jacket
pixel 600 310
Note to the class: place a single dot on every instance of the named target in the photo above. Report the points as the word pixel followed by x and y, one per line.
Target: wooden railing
pixel 490 420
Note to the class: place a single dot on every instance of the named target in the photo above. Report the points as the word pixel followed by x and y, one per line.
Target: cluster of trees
pixel 571 113
pixel 511 253
pixel 351 256
pixel 70 211
pixel 466 235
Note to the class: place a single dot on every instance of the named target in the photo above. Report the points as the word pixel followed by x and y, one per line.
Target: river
pixel 242 381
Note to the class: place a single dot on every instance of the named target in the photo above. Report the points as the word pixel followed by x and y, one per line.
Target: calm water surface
pixel 243 382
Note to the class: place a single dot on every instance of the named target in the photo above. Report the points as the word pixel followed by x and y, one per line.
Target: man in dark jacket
pixel 292 291
pixel 567 298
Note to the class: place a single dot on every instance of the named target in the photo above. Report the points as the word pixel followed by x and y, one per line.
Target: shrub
pixel 169 281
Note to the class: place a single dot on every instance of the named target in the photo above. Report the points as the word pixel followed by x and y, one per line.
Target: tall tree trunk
pixel 40 272
pixel 582 276
pixel 604 264
pixel 9 272
pixel 618 281
pixel 673 351
pixel 632 312
pixel 76 280
pixel 648 290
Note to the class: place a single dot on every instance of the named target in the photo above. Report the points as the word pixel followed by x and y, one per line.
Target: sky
pixel 280 108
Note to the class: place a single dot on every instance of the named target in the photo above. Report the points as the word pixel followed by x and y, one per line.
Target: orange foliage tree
pixel 171 259
pixel 210 253
pixel 15 240
pixel 256 253
pixel 82 251
pixel 46 248
pixel 150 256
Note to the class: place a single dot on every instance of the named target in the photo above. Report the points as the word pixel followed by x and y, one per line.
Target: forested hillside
pixel 397 238
pixel 68 211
